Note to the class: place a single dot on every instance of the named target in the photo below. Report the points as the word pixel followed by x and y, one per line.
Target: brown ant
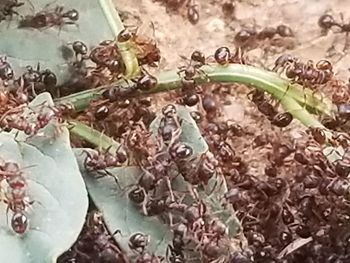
pixel 169 126
pixel 138 242
pixel 327 22
pixel 278 119
pixel 223 56
pixel 196 62
pixel 305 74
pixel 95 244
pixel 57 17
pixel 80 49
pixel 228 8
pixel 35 81
pixel 106 55
pixel 180 5
pixel 108 62
pixel 12 120
pixel 178 243
pixel 101 161
pixel 147 51
pixel 118 92
pixel 192 12
pixel 146 81
pixel 250 37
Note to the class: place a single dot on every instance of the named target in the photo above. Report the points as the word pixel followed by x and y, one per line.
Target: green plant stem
pixel 112 16
pixel 131 63
pixel 92 136
pixel 233 73
pixel 129 58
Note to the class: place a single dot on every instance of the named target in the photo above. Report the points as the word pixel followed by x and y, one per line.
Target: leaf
pixel 54 184
pixel 119 212
pixel 98 21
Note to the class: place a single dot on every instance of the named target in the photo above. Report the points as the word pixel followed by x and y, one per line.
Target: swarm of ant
pixel 293 210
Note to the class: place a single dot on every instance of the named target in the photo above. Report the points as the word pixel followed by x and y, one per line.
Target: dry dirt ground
pixel 177 36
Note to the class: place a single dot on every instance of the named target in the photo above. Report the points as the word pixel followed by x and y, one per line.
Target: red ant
pixel 12 119
pixel 16 195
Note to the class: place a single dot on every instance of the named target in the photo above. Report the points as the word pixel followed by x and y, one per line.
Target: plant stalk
pixel 89 134
pixel 233 73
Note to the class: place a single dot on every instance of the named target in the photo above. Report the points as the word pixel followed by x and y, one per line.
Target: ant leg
pixel 83 254
pixel 168 184
pixel 48 4
pixel 114 177
pixel 203 74
pixel 216 185
pixel 16 137
pixel 144 203
pixel 118 231
pixel 104 173
pixel 7 215
pixel 31 5
pixel 72 23
pixel 100 174
pixel 286 91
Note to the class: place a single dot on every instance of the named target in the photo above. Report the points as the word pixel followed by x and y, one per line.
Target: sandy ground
pixel 177 36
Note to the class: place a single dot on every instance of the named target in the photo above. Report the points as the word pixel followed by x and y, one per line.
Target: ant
pixel 106 56
pixel 81 49
pixel 250 37
pixel 36 81
pixel 278 119
pixel 170 126
pixel 308 74
pixel 16 195
pixel 138 242
pixel 6 71
pixel 327 22
pixel 228 8
pixel 193 68
pixel 179 5
pixel 118 92
pixel 146 82
pixel 223 56
pixel 95 244
pixel 178 243
pixel 100 161
pixel 147 51
pixel 56 17
pixel 192 12
pixel 12 120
